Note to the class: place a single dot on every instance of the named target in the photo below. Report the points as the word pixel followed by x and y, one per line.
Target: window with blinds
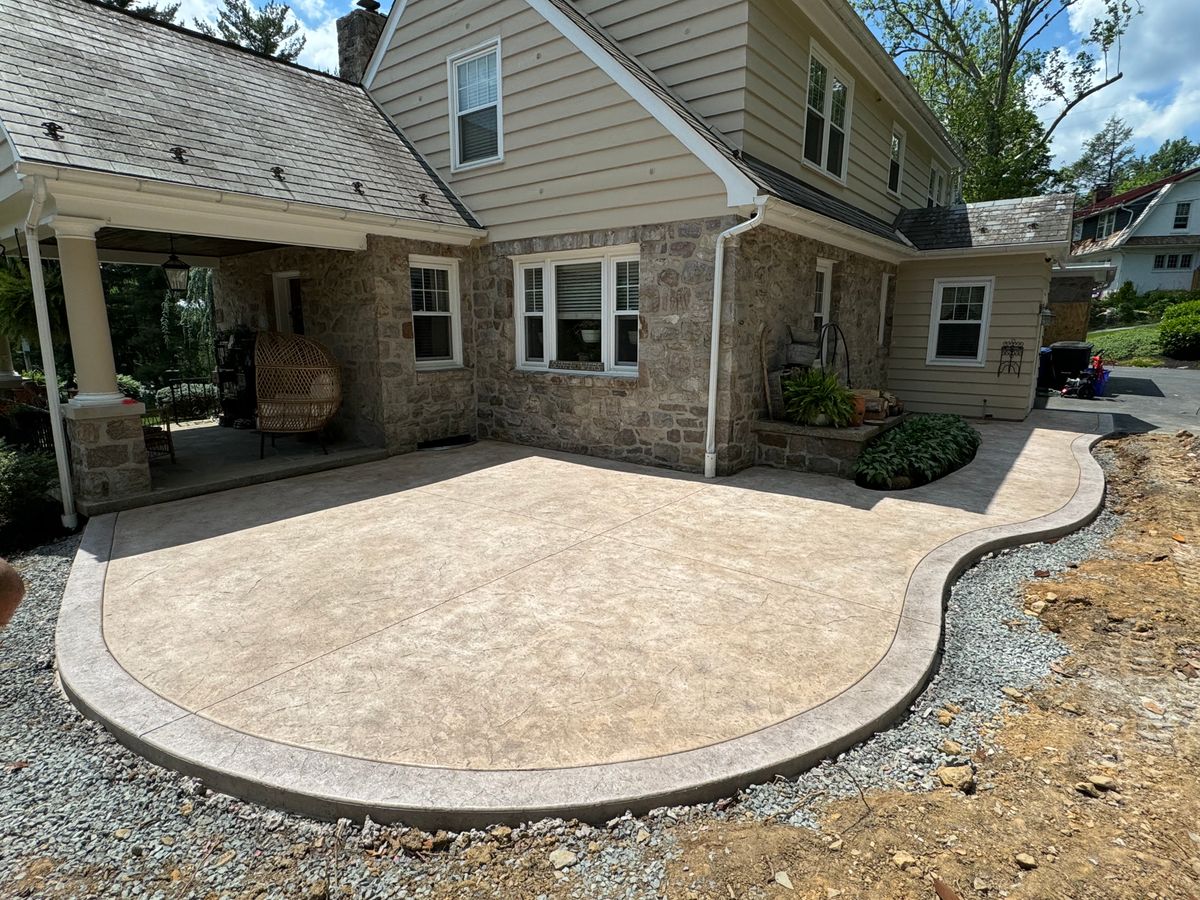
pixel 958 326
pixel 475 93
pixel 433 285
pixel 579 313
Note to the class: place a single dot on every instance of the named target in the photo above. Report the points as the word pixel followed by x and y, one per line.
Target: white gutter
pixel 46 351
pixel 714 355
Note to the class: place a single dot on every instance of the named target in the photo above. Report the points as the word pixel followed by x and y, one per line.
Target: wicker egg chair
pixel 298 385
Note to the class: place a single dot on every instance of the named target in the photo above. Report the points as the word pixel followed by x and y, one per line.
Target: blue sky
pixel 1160 56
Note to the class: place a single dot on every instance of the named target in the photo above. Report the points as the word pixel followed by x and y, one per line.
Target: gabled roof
pixel 125 90
pixel 1000 223
pixel 1129 196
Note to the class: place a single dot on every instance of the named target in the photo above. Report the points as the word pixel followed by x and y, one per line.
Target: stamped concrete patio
pixel 497 632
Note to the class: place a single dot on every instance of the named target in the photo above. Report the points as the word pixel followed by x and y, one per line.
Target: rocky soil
pixel 1054 755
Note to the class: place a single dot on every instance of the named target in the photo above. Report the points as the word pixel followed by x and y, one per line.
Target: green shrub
pixel 192 401
pixel 919 450
pixel 28 510
pixel 814 397
pixel 130 387
pixel 1179 331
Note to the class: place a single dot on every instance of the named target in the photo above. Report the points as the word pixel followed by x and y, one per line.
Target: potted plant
pixel 814 397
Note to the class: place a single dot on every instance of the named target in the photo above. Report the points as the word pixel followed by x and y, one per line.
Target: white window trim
pixel 1187 220
pixel 450 264
pixel 936 193
pixel 980 360
pixel 815 49
pixel 609 257
pixel 826 310
pixel 900 132
pixel 1111 218
pixel 452 84
pixel 280 282
pixel 885 283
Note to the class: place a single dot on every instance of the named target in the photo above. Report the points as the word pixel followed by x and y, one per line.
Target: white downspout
pixel 714 356
pixel 46 349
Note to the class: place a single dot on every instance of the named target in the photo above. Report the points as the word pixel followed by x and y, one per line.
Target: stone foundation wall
pixel 656 417
pixel 358 305
pixel 826 451
pixel 108 455
pixel 775 274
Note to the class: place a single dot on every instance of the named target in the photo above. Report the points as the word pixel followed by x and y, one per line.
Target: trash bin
pixel 1070 358
pixel 1045 377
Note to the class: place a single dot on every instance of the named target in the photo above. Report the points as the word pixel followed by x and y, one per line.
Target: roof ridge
pixel 1136 193
pixel 212 39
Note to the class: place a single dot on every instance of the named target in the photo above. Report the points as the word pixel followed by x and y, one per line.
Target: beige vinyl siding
pixel 8 171
pixel 1022 285
pixel 579 153
pixel 776 92
pixel 696 47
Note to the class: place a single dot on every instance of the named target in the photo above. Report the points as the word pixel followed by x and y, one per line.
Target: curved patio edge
pixel 329 786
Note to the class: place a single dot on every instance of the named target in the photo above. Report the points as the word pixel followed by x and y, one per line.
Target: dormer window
pixel 476 132
pixel 827 123
pixel 1106 225
pixel 1183 215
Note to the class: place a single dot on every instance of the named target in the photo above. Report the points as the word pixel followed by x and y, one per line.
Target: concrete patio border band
pixel 329 786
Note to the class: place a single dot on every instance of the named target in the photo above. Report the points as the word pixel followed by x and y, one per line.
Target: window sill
pixel 478 164
pixel 440 367
pixel 957 363
pixel 809 164
pixel 631 375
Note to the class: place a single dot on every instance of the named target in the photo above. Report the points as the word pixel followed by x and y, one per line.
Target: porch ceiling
pixel 114 243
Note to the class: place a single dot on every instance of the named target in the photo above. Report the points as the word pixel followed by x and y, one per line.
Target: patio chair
pixel 298 384
pixel 156 432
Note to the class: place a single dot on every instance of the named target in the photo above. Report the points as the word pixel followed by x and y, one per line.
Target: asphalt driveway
pixel 1143 400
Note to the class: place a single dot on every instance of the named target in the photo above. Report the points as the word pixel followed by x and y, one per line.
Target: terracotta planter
pixel 12 589
pixel 860 411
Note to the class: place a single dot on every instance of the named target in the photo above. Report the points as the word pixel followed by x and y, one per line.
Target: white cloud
pixel 1159 95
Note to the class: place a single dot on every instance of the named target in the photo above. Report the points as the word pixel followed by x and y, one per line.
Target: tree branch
pixel 1079 99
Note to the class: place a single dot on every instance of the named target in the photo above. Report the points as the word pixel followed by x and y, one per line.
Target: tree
pixel 265 30
pixel 987 52
pixel 1106 159
pixel 150 10
pixel 1171 158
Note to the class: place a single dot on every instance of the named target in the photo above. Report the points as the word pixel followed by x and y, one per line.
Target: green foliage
pixel 985 68
pixel 1180 330
pixel 192 401
pixel 919 450
pixel 130 387
pixel 266 30
pixel 814 397
pixel 1106 159
pixel 17 316
pixel 27 506
pixel 150 10
pixel 1173 157
pixel 1121 347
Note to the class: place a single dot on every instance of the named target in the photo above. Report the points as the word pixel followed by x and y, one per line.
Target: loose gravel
pixel 104 822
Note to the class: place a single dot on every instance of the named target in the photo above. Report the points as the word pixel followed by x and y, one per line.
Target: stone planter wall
pixel 108 453
pixel 825 451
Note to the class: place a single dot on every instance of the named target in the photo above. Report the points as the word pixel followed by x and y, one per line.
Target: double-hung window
pixel 827 122
pixel 1173 261
pixel 1183 215
pixel 896 164
pixel 476 107
pixel 436 304
pixel 958 322
pixel 937 186
pixel 579 311
pixel 1106 225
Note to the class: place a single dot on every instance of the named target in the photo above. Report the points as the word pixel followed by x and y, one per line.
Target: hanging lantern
pixel 176 271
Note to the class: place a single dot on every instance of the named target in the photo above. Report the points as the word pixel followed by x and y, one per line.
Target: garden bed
pixel 814 448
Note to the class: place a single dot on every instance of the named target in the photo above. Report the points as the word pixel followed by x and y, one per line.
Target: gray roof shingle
pixel 125 91
pixel 1000 223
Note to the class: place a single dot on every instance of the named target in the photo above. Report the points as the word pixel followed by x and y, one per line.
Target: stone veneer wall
pixel 358 305
pixel 775 273
pixel 657 417
pixel 108 455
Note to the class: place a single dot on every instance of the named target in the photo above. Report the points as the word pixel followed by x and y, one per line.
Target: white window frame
pixel 452 63
pixel 897 132
pixel 608 257
pixel 826 310
pixel 885 283
pixel 1186 205
pixel 1106 225
pixel 815 50
pixel 281 283
pixel 450 265
pixel 935 195
pixel 931 358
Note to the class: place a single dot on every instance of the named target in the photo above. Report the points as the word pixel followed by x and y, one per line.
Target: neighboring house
pixel 1149 236
pixel 533 194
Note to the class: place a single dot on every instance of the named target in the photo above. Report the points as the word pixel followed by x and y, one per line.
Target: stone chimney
pixel 358 33
pixel 1104 190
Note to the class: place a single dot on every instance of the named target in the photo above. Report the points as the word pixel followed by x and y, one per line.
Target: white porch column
pixel 87 317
